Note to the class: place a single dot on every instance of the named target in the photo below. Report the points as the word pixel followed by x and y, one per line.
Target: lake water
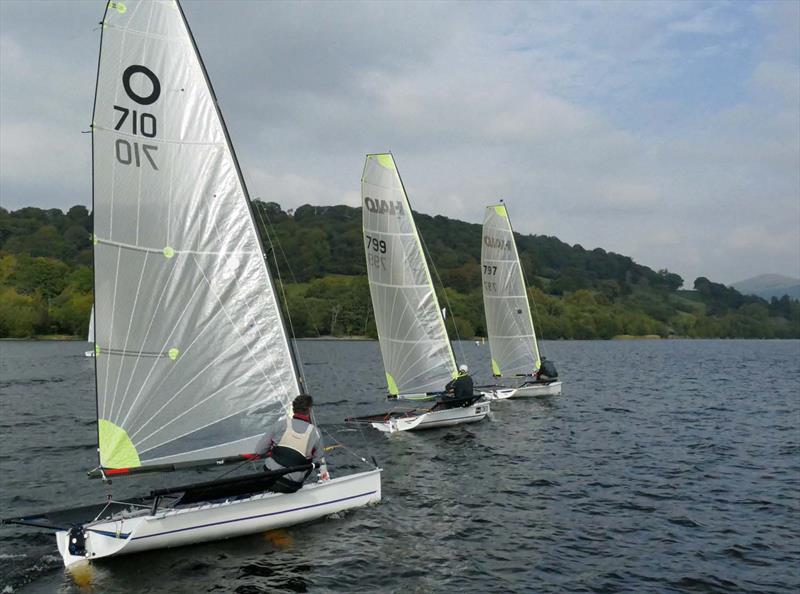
pixel 665 466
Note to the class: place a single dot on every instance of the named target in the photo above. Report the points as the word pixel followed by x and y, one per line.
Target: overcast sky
pixel 666 131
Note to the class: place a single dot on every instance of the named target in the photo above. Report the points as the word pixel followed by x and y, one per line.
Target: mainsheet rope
pixel 262 214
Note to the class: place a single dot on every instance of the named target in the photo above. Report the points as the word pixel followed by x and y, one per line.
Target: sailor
pixel 462 385
pixel 294 442
pixel 547 370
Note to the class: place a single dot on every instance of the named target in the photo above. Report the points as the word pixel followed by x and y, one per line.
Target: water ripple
pixel 662 473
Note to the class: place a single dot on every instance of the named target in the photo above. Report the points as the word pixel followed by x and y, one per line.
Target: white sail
pixel 416 352
pixel 90 335
pixel 193 360
pixel 512 339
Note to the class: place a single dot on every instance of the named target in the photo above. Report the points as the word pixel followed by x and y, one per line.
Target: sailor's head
pixel 302 404
pixel 463 369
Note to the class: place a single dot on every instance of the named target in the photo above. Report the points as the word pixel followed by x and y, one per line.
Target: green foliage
pixel 20 315
pixel 45 276
pixel 46 281
pixel 45 272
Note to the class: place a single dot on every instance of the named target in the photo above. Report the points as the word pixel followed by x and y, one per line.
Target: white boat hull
pixel 524 391
pixel 225 519
pixel 437 418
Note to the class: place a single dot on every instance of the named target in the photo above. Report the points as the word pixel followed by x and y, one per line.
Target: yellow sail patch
pixel 495 368
pixel 501 210
pixel 385 160
pixel 392 386
pixel 116 448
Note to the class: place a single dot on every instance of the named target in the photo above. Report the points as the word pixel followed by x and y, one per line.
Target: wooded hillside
pixel 46 281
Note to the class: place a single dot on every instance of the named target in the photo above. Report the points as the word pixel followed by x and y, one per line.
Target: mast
pixel 94 237
pixel 427 269
pixel 537 356
pixel 284 329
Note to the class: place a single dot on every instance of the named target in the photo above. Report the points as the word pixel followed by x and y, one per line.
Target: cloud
pixel 628 196
pixel 649 129
pixel 708 21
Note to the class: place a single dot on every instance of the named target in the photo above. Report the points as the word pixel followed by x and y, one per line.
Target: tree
pixel 20 315
pixel 46 276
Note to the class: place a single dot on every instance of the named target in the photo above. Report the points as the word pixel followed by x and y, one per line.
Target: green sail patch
pixel 495 368
pixel 501 210
pixel 392 386
pixel 116 448
pixel 386 161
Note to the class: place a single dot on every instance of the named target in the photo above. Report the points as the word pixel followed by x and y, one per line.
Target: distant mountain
pixel 769 285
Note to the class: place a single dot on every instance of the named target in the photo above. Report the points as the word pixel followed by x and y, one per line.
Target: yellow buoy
pixel 82 573
pixel 278 538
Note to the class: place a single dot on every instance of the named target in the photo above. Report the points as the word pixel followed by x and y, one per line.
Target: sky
pixel 664 131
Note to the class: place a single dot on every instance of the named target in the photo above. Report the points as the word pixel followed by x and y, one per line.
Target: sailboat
pixel 417 354
pixel 194 362
pixel 90 336
pixel 512 338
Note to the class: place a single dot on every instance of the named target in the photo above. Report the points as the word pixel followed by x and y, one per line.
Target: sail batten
pixel 416 351
pixel 512 338
pixel 193 356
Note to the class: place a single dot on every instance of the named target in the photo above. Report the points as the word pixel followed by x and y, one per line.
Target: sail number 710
pixel 138 122
pixel 129 153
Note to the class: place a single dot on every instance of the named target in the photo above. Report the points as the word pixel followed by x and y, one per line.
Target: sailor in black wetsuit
pixel 547 371
pixel 294 442
pixel 462 386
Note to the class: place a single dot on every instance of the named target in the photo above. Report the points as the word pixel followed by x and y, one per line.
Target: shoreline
pixel 68 338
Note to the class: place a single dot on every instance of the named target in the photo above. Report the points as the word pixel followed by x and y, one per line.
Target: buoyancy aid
pixel 292 446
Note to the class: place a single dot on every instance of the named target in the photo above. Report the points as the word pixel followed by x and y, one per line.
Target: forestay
pixel 416 351
pixel 193 360
pixel 512 339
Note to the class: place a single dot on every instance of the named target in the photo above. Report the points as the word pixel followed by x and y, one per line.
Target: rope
pixel 345 448
pixel 334 371
pixel 535 315
pixel 280 282
pixel 446 299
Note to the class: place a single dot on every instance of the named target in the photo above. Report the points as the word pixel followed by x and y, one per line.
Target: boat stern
pixel 81 544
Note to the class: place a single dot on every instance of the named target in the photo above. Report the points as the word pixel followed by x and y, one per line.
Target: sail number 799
pixel 376 245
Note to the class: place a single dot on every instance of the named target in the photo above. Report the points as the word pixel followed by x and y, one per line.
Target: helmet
pixel 463 368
